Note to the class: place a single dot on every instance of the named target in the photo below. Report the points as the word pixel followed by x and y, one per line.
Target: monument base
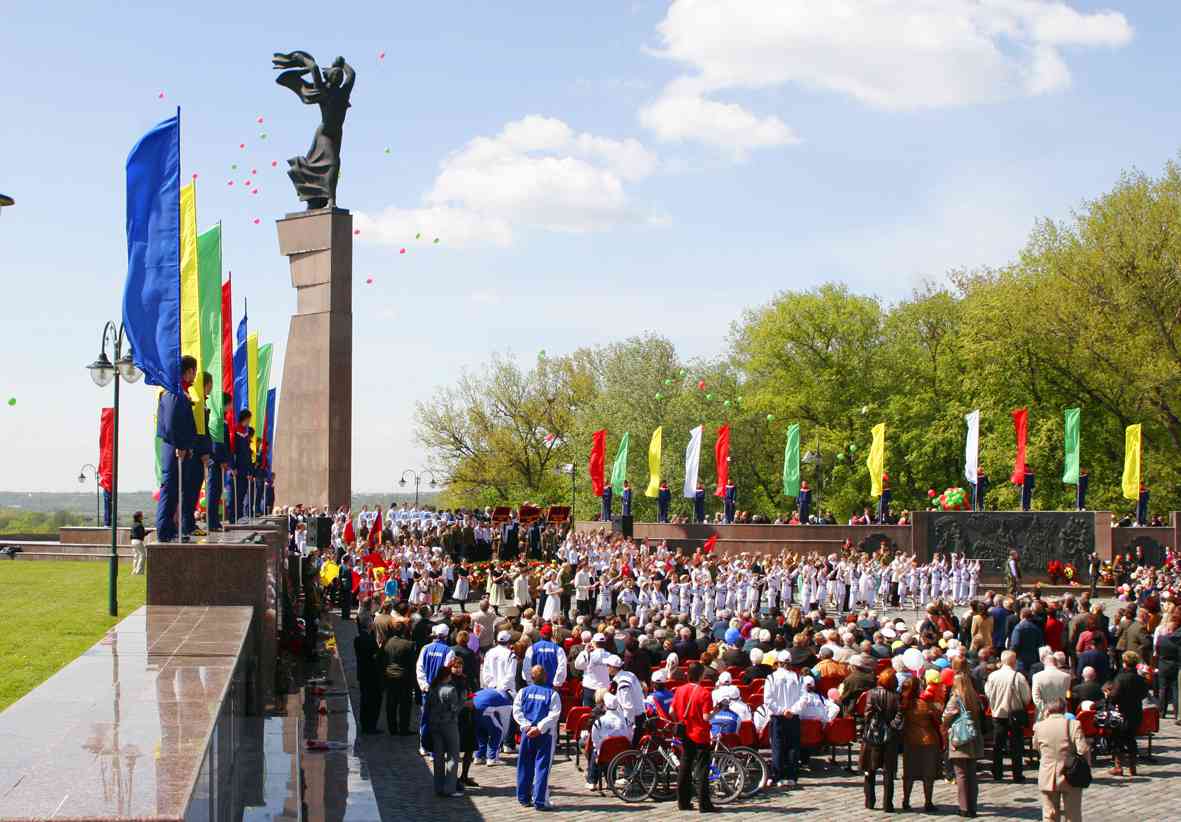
pixel 314 435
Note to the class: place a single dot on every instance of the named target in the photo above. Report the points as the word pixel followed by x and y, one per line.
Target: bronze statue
pixel 315 175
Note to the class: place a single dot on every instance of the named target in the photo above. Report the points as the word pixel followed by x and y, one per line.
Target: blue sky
pixel 592 170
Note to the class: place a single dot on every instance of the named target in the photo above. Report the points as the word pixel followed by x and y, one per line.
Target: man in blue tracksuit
pixel 730 500
pixel 699 503
pixel 663 498
pixel 431 660
pixel 536 709
pixel 608 495
pixel 177 430
pixel 217 464
pixel 626 499
pixel 242 462
pixel 196 470
pixel 550 656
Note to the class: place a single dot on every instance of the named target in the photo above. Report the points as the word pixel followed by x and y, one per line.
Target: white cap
pixel 660 676
pixel 440 630
pixel 598 638
pixel 609 701
pixel 613 662
pixel 504 637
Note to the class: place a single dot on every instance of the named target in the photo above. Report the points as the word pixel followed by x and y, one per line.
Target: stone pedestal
pixel 314 430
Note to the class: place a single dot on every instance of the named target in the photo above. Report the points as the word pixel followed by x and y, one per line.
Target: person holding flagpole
pixel 177 429
pixel 664 496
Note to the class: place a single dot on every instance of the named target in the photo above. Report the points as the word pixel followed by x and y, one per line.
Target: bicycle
pixel 650 771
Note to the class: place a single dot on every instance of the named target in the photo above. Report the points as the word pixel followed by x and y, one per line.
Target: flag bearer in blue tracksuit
pixel 626 498
pixel 550 656
pixel 431 660
pixel 608 495
pixel 699 503
pixel 242 462
pixel 217 464
pixel 196 470
pixel 536 709
pixel 730 500
pixel 663 497
pixel 177 430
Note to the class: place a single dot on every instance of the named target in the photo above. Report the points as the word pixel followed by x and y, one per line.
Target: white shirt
pixel 810 706
pixel 594 673
pixel 548 723
pixel 499 670
pixel 781 691
pixel 608 725
pixel 630 694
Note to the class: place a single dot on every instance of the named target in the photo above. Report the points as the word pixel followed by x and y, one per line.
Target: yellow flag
pixel 1132 462
pixel 653 488
pixel 877 459
pixel 190 305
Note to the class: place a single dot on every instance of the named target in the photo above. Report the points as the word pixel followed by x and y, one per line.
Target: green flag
pixel 264 384
pixel 209 312
pixel 619 469
pixel 791 462
pixel 1070 473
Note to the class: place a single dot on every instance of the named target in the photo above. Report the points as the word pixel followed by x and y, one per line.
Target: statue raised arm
pixel 315 174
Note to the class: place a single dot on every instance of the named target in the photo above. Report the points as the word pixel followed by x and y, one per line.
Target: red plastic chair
pixel 841 731
pixel 811 733
pixel 747 735
pixel 829 682
pixel 754 700
pixel 576 723
pixel 612 747
pixel 1149 725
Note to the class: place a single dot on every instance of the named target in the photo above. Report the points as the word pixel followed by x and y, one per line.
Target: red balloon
pixel 274 163
pixel 931 492
pixel 369 280
pixel 254 172
pixel 701 385
pixel 257 221
pixel 229 182
pixel 241 145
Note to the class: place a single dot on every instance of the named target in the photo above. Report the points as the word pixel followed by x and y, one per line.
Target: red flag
pixel 1021 428
pixel 722 458
pixel 376 560
pixel 349 536
pixel 710 544
pixel 356 580
pixel 597 456
pixel 375 531
pixel 106 448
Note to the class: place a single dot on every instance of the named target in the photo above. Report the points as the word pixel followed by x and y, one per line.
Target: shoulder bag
pixel 1078 770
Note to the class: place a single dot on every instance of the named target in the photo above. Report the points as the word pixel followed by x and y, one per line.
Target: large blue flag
pixel 151 295
pixel 241 375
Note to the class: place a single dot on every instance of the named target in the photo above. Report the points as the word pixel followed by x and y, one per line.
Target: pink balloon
pixel 403 251
pixel 257 221
pixel 160 96
pixel 194 176
pixel 356 231
pixel 255 191
pixel 229 182
pixel 260 118
pixel 369 280
pixel 241 145
pixel 254 172
pixel 247 183
pixel 380 56
pixel 274 163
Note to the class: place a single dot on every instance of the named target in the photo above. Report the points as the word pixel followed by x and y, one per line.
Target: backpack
pixel 963 732
pixel 877 732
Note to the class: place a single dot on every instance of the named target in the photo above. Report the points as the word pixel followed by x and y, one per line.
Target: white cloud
pixel 536 173
pixel 889 54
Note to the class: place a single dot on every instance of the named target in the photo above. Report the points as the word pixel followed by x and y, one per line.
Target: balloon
pixel 254 172
pixel 194 175
pixel 913 659
pixel 257 221
pixel 436 239
pixel 709 396
pixel 738 399
pixel 12 400
pixel 160 96
pixel 255 191
pixel 932 676
pixel 241 145
pixel 668 382
pixel 852 449
pixel 229 182
pixel 387 149
pixel 659 395
pixel 260 118
pixel 401 251
pixel 356 231
pixel 233 166
pixel 770 418
pixel 418 236
pixel 262 135
pixel 274 163
pixel 701 385
pixel 369 281
pixel 726 403
pixel 841 456
pixel 247 183
pixel 931 493
pixel 156 495
pixel 381 55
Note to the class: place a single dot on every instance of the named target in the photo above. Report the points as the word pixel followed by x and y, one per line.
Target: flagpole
pixel 180 497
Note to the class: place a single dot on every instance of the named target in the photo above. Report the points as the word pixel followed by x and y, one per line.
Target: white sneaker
pixel 478 761
pixel 492 762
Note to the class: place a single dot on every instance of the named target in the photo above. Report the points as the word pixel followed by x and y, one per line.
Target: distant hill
pixel 39 512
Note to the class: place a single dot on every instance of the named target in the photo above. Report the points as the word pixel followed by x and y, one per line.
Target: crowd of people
pixel 496 651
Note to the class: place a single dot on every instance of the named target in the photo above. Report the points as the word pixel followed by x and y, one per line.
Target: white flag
pixel 972 448
pixel 692 462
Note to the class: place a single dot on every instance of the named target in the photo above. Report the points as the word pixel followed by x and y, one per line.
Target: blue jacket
pixel 174 421
pixel 243 460
pixel 1026 640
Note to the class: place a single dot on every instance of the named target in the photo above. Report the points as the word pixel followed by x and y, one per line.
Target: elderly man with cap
pixel 591 661
pixel 630 694
pixel 780 693
pixel 537 710
pixel 549 655
pixel 494 701
pixel 610 720
pixel 431 659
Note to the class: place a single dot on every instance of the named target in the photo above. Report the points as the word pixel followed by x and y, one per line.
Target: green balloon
pixel 709 396
pixel 770 418
pixel 738 399
pixel 852 449
pixel 658 395
pixel 726 403
pixel 668 382
pixel 841 457
pixel 12 400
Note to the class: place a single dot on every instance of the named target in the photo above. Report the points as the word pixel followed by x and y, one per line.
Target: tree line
pixel 1088 315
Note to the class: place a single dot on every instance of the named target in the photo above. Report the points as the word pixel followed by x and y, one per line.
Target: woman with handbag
pixel 879 744
pixel 1065 764
pixel 961 722
pixel 1127 692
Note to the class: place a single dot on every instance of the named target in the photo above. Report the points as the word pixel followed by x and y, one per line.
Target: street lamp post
pixel 418 475
pixel 98 520
pixel 103 372
pixel 568 468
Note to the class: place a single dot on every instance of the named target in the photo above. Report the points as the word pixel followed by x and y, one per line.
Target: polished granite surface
pixel 123 729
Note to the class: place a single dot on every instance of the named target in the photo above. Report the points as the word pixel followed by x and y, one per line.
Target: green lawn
pixel 50 613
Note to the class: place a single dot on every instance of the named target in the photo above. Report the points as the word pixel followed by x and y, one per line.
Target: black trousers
pixel 889 771
pixel 695 759
pixel 1006 734
pixel 370 702
pixel 397 705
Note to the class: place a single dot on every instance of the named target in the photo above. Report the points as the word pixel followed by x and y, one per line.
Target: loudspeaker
pixel 626 524
pixel 320 532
